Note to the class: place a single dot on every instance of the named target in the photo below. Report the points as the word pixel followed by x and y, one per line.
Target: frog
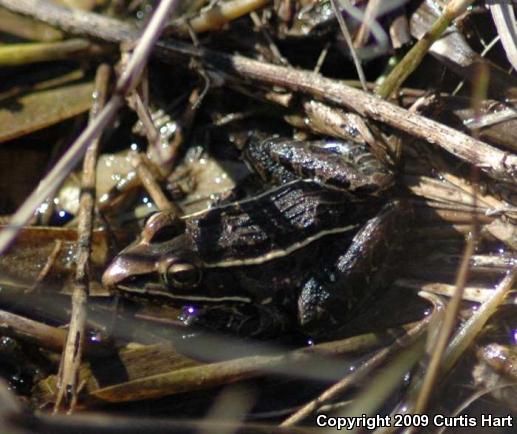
pixel 304 255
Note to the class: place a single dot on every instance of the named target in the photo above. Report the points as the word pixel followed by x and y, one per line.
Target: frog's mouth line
pixel 140 286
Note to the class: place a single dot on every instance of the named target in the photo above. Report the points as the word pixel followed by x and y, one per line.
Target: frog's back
pixel 273 224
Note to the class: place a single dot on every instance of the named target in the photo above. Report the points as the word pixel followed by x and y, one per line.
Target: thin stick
pixel 348 39
pixel 142 110
pixel 154 190
pixel 72 354
pixel 43 335
pixel 126 83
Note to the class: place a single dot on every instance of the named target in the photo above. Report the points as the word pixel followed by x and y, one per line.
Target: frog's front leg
pixel 335 163
pixel 338 292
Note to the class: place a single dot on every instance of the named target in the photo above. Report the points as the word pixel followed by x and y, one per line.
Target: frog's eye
pixel 183 275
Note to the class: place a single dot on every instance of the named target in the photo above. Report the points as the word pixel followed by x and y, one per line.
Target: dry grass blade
pixel 36 110
pixel 293 364
pixel 101 27
pixel 27 28
pixel 471 293
pixel 412 59
pixel 445 329
pixel 475 323
pixel 21 54
pixel 67 163
pixel 341 386
pixel 385 382
pixel 504 19
pixel 72 354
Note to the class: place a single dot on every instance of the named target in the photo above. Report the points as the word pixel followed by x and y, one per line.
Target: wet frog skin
pixel 297 256
pixel 335 164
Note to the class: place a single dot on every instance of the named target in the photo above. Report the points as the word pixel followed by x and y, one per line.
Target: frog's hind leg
pixel 335 163
pixel 258 157
pixel 341 290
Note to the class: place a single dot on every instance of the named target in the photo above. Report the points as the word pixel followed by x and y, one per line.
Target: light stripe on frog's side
pixel 279 253
pixel 146 291
pixel 271 226
pixel 259 197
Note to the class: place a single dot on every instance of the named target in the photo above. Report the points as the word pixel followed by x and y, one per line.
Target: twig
pixel 43 335
pixel 348 39
pixel 72 354
pixel 154 190
pixel 144 116
pixel 125 84
pixel 496 163
pixel 49 263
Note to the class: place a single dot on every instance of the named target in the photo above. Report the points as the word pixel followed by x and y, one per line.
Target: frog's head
pixel 160 264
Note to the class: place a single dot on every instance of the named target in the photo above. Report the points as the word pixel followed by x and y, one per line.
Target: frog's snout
pixel 131 269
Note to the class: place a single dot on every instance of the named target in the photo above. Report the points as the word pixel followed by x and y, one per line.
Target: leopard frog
pixel 298 256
